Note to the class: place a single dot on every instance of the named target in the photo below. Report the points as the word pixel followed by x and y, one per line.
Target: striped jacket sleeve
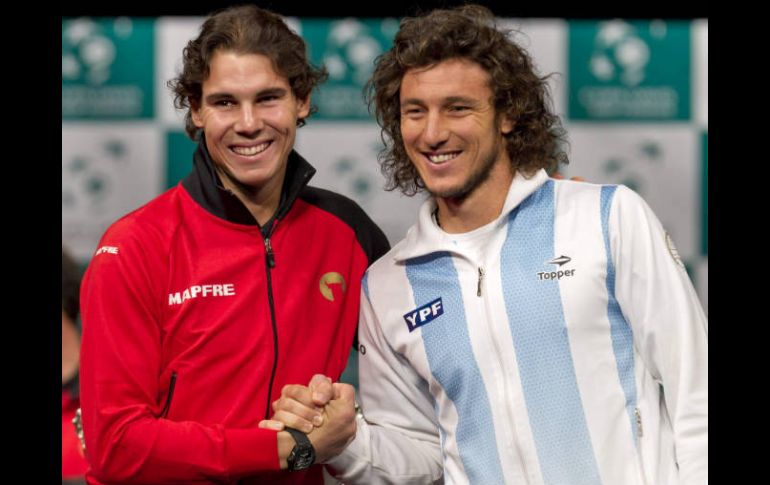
pixel 397 440
pixel 668 322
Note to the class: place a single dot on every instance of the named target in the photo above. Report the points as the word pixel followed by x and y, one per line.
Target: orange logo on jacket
pixel 331 278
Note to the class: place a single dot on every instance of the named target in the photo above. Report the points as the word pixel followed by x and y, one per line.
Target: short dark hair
pixel 70 286
pixel 244 29
pixel 466 32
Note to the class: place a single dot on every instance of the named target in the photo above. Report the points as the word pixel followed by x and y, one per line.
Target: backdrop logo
pixel 107 68
pixel 89 55
pixel 89 178
pixel 629 71
pixel 106 171
pixel 637 168
pixel 619 54
pixel 347 48
pixel 349 171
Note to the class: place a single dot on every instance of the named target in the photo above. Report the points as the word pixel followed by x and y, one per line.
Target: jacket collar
pixel 206 189
pixel 427 237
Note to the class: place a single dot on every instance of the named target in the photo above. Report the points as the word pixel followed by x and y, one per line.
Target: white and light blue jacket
pixel 571 349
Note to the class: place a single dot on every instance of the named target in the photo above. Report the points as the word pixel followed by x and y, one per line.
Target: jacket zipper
pixel 481 280
pixel 270 260
pixel 498 353
pixel 167 406
pixel 638 415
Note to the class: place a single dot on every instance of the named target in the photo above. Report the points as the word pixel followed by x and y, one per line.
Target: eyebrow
pixel 449 100
pixel 214 97
pixel 278 92
pixel 460 99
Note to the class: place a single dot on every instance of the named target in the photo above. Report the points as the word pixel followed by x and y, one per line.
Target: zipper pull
pixel 481 279
pixel 638 415
pixel 269 253
pixel 77 421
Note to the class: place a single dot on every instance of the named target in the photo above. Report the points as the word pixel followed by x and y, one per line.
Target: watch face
pixel 304 459
pixel 301 457
pixel 303 454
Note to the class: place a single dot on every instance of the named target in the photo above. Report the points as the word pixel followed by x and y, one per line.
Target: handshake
pixel 323 410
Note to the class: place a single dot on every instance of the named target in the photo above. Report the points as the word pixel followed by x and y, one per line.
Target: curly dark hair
pixel 466 32
pixel 244 29
pixel 70 286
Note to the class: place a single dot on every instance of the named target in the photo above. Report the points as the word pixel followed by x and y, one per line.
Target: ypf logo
pixel 424 314
pixel 331 278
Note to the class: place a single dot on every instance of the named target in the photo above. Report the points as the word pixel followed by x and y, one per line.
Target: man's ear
pixel 303 107
pixel 506 125
pixel 195 114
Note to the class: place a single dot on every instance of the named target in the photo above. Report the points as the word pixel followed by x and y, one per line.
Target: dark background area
pixel 399 8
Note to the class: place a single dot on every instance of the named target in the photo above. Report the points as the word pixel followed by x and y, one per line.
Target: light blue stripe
pixel 620 330
pixel 453 365
pixel 365 285
pixel 540 338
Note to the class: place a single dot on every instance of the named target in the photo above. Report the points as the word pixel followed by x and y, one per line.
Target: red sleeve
pixel 125 439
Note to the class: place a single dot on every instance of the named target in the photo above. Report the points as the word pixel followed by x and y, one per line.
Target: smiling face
pixel 248 114
pixel 450 129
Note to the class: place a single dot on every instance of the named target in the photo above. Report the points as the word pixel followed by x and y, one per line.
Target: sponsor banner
pixel 629 71
pixel 347 47
pixel 651 76
pixel 107 68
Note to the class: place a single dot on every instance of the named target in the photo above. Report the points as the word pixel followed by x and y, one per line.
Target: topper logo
pixel 424 314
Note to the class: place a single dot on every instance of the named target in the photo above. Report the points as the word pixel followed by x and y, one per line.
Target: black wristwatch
pixel 303 453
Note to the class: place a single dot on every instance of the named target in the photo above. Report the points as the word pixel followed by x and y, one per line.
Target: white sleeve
pixel 397 440
pixel 669 326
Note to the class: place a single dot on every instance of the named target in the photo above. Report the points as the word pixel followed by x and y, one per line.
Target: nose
pixel 249 119
pixel 436 131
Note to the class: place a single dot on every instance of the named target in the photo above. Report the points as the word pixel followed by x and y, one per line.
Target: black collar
pixel 206 189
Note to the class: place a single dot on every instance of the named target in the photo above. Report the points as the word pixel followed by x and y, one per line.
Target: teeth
pixel 443 157
pixel 249 151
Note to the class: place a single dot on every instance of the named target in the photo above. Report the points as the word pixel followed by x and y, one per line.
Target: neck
pixel 261 201
pixel 478 208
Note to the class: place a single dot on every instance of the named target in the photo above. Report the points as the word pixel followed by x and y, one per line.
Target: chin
pixel 445 191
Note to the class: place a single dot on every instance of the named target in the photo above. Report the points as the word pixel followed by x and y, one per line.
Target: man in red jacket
pixel 201 305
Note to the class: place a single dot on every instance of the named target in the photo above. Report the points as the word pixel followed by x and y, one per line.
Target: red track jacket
pixel 194 318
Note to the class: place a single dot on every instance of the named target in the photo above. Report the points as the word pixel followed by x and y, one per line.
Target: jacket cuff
pixel 251 450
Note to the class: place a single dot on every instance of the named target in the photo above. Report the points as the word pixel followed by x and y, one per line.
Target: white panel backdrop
pixel 113 164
